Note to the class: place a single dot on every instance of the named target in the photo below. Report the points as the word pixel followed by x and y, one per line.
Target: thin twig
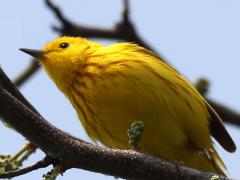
pixel 27 73
pixel 21 152
pixel 228 115
pixel 40 164
pixel 122 30
pixel 27 155
pixel 126 12
pixel 57 12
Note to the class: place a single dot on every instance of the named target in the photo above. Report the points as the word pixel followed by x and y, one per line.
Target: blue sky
pixel 199 38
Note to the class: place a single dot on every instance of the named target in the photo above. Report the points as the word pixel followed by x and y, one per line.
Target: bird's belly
pixel 113 116
pixel 108 107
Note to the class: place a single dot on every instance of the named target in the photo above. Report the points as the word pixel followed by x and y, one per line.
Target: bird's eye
pixel 63 45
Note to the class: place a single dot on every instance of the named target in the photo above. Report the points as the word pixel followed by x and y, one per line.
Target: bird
pixel 112 86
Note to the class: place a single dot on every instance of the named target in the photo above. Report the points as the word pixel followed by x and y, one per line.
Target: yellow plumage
pixel 111 87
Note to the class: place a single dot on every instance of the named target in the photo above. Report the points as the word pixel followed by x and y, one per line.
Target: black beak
pixel 33 52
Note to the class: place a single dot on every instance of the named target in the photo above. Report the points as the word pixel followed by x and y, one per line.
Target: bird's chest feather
pixel 108 104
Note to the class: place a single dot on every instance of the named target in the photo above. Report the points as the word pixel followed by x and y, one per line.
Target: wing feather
pixel 219 132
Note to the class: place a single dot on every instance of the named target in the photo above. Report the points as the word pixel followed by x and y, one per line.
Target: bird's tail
pixel 216 161
pixel 206 160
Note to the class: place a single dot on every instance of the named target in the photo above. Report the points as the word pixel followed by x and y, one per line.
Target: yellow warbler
pixel 111 87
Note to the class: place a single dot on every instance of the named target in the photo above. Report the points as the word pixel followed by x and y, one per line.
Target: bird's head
pixel 61 57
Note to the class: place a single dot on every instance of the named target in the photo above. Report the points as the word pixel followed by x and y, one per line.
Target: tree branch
pixel 228 115
pixel 11 88
pixel 74 153
pixel 123 30
pixel 40 164
pixel 27 73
